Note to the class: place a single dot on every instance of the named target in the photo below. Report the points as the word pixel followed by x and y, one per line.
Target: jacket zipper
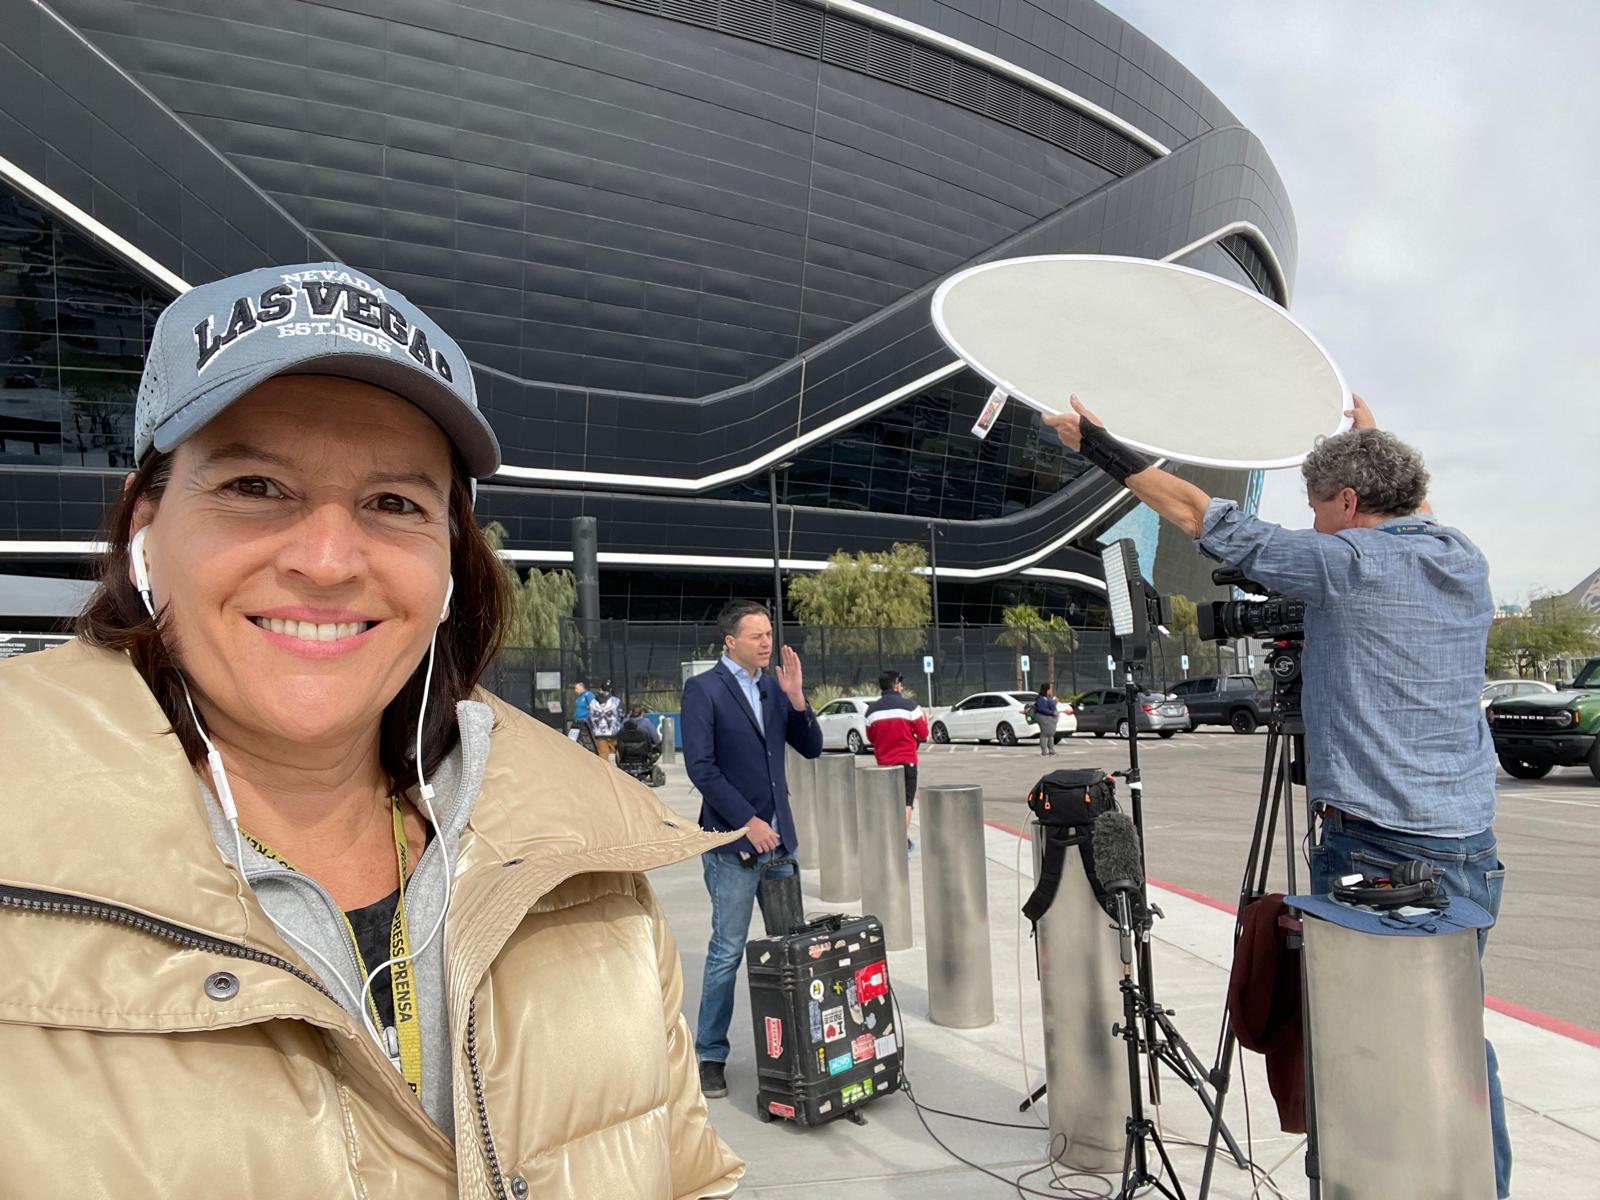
pixel 30 900
pixel 489 1151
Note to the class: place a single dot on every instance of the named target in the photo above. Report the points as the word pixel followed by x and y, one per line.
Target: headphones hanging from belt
pixel 1409 884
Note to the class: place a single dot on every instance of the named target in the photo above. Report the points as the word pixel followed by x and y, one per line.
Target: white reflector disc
pixel 1177 362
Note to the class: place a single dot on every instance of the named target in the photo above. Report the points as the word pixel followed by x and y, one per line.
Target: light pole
pixel 934 535
pixel 777 573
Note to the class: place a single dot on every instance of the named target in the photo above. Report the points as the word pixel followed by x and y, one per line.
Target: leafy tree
pixel 1553 628
pixel 538 602
pixel 857 595
pixel 1184 618
pixel 1026 626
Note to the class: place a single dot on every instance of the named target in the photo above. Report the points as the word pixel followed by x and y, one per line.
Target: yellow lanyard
pixel 402 976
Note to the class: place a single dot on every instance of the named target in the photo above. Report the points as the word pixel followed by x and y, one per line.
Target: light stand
pixel 1141 1130
pixel 1135 607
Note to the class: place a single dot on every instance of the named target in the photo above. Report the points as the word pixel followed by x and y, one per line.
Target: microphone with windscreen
pixel 1119 867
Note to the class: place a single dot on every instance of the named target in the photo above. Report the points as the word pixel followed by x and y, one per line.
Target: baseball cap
pixel 217 341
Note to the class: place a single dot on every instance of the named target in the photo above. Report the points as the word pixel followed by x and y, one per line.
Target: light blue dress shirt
pixel 750 685
pixel 1397 617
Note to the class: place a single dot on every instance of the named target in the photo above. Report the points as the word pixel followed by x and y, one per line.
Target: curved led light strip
pixel 995 63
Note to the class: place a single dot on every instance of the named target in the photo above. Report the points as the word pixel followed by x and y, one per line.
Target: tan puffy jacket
pixel 121 1075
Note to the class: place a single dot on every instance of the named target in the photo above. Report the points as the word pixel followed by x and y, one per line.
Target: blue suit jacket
pixel 738 769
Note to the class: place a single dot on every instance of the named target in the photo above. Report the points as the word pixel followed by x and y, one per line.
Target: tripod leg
pixel 1276 777
pixel 1187 1067
pixel 1166 1163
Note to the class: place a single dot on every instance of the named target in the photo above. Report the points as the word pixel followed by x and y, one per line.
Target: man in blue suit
pixel 737 718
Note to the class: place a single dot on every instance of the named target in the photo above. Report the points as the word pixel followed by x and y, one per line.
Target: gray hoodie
pixel 306 914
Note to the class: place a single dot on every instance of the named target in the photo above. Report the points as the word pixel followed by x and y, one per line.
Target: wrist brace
pixel 1110 455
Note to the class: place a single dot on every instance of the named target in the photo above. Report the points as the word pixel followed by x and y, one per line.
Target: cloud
pixel 1436 156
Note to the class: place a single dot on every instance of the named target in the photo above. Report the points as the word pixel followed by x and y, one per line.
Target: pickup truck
pixel 1533 734
pixel 1232 700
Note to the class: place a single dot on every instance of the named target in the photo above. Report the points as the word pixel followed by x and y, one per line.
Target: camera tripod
pixel 1282 767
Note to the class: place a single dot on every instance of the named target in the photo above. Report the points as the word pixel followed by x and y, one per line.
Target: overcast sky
pixel 1440 158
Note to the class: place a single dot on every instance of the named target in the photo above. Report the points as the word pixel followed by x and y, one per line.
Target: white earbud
pixel 141 570
pixel 450 590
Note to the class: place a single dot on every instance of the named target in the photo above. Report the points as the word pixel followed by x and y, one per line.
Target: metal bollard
pixel 885 871
pixel 955 907
pixel 669 740
pixel 838 854
pixel 1370 1141
pixel 1086 1068
pixel 801 773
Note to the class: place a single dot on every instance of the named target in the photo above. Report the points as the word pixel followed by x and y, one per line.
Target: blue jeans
pixel 1472 868
pixel 732 886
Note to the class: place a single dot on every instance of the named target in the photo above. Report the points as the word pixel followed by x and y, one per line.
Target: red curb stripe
pixel 1545 1021
pixel 1507 1008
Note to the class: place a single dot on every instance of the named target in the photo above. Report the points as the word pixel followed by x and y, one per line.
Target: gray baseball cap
pixel 216 342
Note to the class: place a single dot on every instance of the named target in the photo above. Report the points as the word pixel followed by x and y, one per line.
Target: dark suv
pixel 1535 733
pixel 1231 700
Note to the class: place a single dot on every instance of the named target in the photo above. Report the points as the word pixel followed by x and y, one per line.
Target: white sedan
pixel 1504 689
pixel 993 717
pixel 844 724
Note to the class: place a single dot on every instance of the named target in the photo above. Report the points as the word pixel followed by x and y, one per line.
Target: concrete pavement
pixel 1552 1082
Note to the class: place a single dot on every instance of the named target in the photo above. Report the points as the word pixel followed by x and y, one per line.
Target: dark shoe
pixel 713 1083
pixel 910 845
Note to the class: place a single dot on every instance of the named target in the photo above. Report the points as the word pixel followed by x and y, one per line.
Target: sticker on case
pixel 864 1048
pixel 872 981
pixel 816 1021
pixel 774 1037
pixel 838 1066
pixel 817 990
pixel 833 1025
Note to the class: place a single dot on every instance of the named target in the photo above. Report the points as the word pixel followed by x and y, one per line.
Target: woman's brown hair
pixel 115 619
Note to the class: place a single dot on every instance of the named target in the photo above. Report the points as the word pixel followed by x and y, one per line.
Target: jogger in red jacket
pixel 896 726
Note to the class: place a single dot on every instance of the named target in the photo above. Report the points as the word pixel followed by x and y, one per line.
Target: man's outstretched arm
pixel 1175 500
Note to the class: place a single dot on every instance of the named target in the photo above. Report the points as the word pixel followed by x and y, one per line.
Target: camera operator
pixel 1400 762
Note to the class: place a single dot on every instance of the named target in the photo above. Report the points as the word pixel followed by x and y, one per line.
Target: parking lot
pixel 1201 793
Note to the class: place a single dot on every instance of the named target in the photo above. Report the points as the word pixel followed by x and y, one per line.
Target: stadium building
pixel 688 245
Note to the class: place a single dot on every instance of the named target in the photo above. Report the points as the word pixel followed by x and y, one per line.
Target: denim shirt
pixel 750 685
pixel 1396 624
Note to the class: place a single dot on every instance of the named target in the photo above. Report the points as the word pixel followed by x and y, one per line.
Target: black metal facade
pixel 675 239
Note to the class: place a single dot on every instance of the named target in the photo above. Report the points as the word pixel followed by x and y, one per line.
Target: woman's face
pixel 302 547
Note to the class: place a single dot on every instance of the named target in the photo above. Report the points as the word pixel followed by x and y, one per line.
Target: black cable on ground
pixel 1057 1192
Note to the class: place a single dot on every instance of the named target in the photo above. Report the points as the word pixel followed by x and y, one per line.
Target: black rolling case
pixel 824 1019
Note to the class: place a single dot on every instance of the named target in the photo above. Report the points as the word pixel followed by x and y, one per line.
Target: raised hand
pixel 1069 426
pixel 1360 415
pixel 790 678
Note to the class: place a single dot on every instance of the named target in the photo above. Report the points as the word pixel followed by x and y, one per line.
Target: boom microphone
pixel 1118 867
pixel 1118 864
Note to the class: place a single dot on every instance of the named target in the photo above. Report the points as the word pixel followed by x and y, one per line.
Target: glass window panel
pixel 30 426
pixel 22 354
pixel 97 435
pixel 27 281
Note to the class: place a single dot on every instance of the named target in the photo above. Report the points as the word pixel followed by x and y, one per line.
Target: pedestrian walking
pixel 1046 716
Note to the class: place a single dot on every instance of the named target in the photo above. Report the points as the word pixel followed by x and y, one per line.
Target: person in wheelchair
pixel 639 748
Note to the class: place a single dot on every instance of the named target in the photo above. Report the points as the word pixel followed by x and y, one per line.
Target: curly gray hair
pixel 1386 474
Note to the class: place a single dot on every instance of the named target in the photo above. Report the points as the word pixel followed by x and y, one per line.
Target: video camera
pixel 1277 618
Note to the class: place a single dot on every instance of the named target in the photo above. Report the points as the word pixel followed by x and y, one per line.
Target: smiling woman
pixel 352 492
pixel 285 876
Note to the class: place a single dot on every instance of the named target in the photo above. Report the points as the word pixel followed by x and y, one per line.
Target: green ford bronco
pixel 1533 733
